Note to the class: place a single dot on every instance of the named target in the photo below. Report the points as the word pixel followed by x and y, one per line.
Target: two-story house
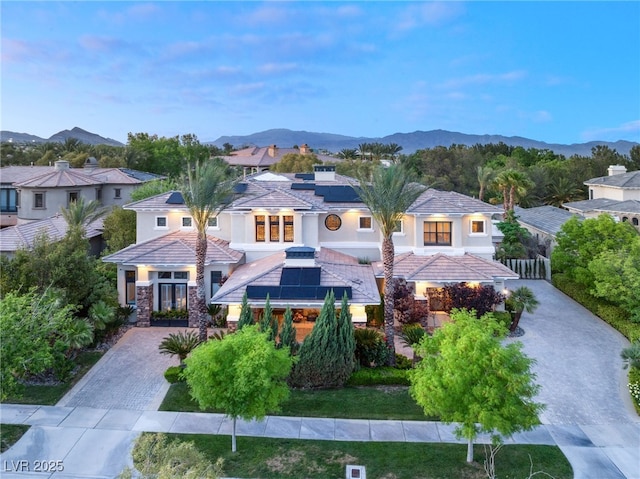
pixel 617 194
pixel 293 237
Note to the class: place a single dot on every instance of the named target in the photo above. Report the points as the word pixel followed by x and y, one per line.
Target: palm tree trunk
pixel 388 254
pixel 516 320
pixel 201 306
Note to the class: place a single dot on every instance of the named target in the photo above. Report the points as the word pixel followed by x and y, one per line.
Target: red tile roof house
pixel 294 237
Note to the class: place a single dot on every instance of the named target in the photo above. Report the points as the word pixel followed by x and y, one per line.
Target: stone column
pixel 192 293
pixel 144 295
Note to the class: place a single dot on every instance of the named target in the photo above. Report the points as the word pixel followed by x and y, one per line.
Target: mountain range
pixel 285 138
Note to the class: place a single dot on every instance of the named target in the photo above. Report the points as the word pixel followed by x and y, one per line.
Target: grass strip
pixel 10 433
pixel 49 395
pixel 284 458
pixel 382 402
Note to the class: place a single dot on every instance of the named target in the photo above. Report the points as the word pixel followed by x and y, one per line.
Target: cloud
pixel 433 14
pixel 137 13
pixel 276 68
pixel 102 44
pixel 484 79
pixel 245 89
pixel 630 129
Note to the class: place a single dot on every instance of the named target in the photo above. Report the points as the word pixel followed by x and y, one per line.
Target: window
pixel 180 275
pixel 172 296
pixel 186 222
pixel 399 227
pixel 260 228
pixel 216 279
pixel 477 227
pixel 365 223
pixel 274 228
pixel 8 200
pixel 625 219
pixel 333 222
pixel 98 194
pixel 437 233
pixel 213 222
pixel 38 200
pixel 634 221
pixel 288 229
pixel 117 193
pixel 73 197
pixel 130 289
pixel 161 221
pixel 164 274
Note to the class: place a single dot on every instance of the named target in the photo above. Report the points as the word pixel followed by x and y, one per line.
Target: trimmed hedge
pixel 385 376
pixel 611 314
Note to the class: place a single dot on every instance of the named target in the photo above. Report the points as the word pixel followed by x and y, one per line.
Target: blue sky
pixel 564 72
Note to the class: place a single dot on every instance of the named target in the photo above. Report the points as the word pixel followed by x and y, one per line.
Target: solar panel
pixel 303 186
pixel 310 276
pixel 305 176
pixel 297 292
pixel 290 276
pixel 338 194
pixel 240 188
pixel 175 198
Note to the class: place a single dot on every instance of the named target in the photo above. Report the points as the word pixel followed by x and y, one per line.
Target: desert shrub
pixel 180 344
pixel 371 348
pixel 382 376
pixel 173 374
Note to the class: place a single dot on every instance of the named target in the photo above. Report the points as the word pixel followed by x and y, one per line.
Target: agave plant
pixel 412 334
pixel 179 344
pixel 631 355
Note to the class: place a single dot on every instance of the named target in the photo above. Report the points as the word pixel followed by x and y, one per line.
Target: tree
pixel 153 188
pixel 482 298
pixel 80 213
pixel 206 192
pixel 512 184
pixel 288 333
pixel 295 163
pixel 119 229
pixel 521 299
pixel 467 376
pixel 243 374
pixel 388 196
pixel 346 341
pixel 517 242
pixel 246 315
pixel 485 176
pixel 268 322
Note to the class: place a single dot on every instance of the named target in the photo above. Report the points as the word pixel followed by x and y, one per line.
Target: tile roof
pixel 337 269
pixel 598 204
pixel 50 177
pixel 55 227
pixel 442 268
pixel 449 202
pixel 254 156
pixel 177 248
pixel 548 219
pixel 623 180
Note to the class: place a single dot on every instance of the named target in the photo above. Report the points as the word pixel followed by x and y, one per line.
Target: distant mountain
pixel 410 142
pixel 60 137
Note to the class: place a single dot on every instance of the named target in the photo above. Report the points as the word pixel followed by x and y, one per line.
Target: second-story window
pixel 477 227
pixel 288 229
pixel 73 197
pixel 213 222
pixel 274 228
pixel 437 233
pixel 365 223
pixel 260 228
pixel 187 222
pixel 39 200
pixel 117 193
pixel 161 222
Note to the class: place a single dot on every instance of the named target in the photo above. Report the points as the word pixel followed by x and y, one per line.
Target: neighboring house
pixel 617 194
pixel 544 224
pixel 255 159
pixel 295 236
pixel 37 192
pixel 55 228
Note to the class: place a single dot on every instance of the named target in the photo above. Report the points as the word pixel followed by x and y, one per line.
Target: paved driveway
pixel 578 361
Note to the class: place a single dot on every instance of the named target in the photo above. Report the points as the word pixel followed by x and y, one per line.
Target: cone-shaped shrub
pixel 268 322
pixel 288 333
pixel 246 316
pixel 346 342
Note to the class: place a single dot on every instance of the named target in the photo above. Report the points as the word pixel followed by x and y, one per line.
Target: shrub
pixel 634 387
pixel 371 348
pixel 170 314
pixel 382 376
pixel 173 374
pixel 179 344
pixel 481 299
pixel 503 317
pixel 412 334
pixel 403 362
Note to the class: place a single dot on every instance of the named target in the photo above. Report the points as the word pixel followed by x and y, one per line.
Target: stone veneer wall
pixel 192 293
pixel 144 301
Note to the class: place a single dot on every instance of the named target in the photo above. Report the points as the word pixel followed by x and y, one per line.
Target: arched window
pixel 624 219
pixel 634 221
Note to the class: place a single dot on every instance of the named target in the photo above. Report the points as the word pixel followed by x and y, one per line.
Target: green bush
pixel 634 387
pixel 382 376
pixel 174 374
pixel 170 314
pixel 503 317
pixel 611 314
pixel 371 349
pixel 403 362
pixel 412 334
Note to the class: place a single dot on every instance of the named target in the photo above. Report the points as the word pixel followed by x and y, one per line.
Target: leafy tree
pixel 296 163
pixel 206 192
pixel 246 315
pixel 521 299
pixel 155 154
pixel 482 298
pixel 493 387
pixel 288 333
pixel 243 374
pixel 153 188
pixel 579 242
pixel 388 196
pixel 406 308
pixel 119 229
pixel 38 330
pixel 517 241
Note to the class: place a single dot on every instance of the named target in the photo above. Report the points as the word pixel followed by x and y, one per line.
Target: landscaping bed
pixel 10 434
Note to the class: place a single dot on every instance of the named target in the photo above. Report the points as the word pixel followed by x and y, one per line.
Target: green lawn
pixel 350 403
pixel 10 433
pixel 50 395
pixel 284 458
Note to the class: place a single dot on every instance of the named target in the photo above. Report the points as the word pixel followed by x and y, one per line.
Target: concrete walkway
pixel 588 415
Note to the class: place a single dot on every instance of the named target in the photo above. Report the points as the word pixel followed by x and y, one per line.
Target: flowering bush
pixel 634 387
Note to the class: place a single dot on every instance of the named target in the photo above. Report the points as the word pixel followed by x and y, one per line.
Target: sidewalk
pixel 95 443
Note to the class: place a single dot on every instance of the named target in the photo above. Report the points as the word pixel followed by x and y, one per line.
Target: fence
pixel 538 268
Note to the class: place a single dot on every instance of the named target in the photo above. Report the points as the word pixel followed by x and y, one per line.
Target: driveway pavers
pixel 578 366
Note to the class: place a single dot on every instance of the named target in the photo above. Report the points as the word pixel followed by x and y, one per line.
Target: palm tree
pixel 485 176
pixel 388 195
pixel 512 184
pixel 206 192
pixel 563 190
pixel 80 213
pixel 521 299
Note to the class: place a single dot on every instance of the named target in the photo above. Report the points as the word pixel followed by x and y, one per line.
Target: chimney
pixel 305 150
pixel 616 170
pixel 300 256
pixel 61 165
pixel 324 172
pixel 91 163
pixel 272 151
